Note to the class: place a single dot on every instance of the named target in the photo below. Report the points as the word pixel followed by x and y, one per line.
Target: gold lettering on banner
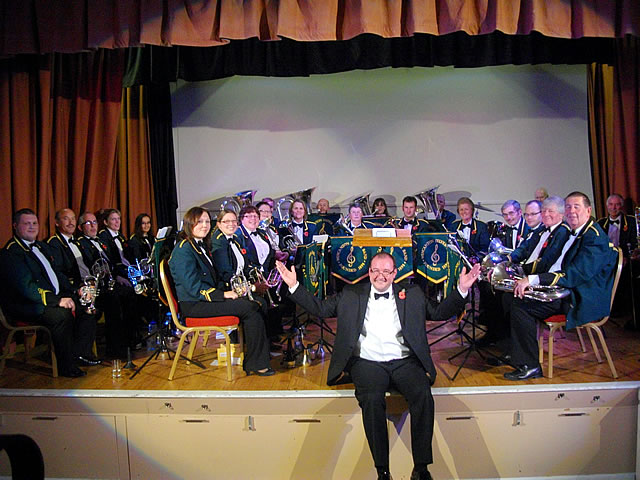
pixel 351 264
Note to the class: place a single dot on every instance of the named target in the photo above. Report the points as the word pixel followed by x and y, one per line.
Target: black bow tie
pixel 510 228
pixel 614 222
pixel 546 229
pixel 574 233
pixel 407 222
pixel 468 225
pixel 376 296
pixel 254 233
pixel 301 225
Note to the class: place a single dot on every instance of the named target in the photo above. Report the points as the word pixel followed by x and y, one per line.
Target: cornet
pixel 242 286
pixel 256 277
pixel 88 293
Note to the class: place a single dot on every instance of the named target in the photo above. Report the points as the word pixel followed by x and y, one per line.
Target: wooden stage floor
pixel 571 366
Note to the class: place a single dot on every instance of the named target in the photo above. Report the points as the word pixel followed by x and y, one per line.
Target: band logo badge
pixel 349 263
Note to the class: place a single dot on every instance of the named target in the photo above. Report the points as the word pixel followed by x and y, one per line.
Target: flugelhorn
pixel 237 201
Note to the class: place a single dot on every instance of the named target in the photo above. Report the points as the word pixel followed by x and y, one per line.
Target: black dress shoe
pixel 524 372
pixel 71 372
pixel 499 361
pixel 420 475
pixel 88 361
pixel 267 373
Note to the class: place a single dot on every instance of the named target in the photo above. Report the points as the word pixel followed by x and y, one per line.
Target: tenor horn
pixel 303 195
pixel 428 199
pixel 237 201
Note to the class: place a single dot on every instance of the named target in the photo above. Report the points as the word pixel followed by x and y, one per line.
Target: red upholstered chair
pixel 29 332
pixel 196 326
pixel 556 322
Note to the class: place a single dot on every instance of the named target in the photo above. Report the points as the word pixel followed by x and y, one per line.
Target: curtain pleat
pixel 44 26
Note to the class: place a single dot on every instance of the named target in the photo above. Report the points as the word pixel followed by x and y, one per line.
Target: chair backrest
pixel 616 280
pixel 170 293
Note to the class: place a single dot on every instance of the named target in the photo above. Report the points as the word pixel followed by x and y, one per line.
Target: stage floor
pixel 571 366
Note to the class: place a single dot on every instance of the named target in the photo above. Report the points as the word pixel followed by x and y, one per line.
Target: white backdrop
pixel 495 133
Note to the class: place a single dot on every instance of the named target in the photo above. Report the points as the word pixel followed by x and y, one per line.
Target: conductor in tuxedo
pixel 380 343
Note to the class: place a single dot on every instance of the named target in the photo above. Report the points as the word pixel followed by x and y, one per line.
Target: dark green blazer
pixel 196 280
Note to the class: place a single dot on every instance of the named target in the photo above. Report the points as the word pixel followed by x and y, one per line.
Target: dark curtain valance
pixel 45 26
pixel 288 58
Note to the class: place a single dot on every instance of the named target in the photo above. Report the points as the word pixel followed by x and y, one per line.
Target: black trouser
pixel 525 314
pixel 72 336
pixel 372 380
pixel 256 355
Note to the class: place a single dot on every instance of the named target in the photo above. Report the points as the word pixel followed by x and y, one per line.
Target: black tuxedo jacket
pixel 112 250
pixel 478 238
pixel 26 288
pixel 65 260
pixel 506 237
pixel 350 306
pixel 628 236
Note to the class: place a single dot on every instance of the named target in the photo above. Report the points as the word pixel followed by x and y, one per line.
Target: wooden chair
pixel 196 326
pixel 29 332
pixel 557 322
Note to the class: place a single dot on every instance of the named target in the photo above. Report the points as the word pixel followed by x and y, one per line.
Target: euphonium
pixel 239 200
pixel 363 202
pixel 505 275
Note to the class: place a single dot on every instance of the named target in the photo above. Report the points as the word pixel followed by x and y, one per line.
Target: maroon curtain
pixel 43 26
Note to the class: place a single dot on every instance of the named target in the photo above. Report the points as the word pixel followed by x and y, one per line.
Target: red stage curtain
pixel 58 141
pixel 43 26
pixel 614 125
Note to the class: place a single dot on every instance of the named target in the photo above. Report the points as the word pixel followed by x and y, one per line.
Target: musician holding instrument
pixel 141 241
pixel 298 227
pixel 115 241
pixel 34 291
pixel 117 299
pixel 202 292
pixel 474 232
pixel 446 217
pixel 586 265
pixel 410 221
pixel 346 227
pixel 622 232
pixel 515 229
pixel 533 216
pixel 228 254
pixel 68 259
pixel 380 208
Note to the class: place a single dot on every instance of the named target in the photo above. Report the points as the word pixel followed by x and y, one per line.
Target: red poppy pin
pixel 244 251
pixel 625 228
pixel 414 228
pixel 544 245
pixel 473 232
pixel 402 295
pixel 306 234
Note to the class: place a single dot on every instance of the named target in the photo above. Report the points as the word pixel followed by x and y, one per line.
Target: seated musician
pixel 537 254
pixel 515 229
pixel 541 194
pixel 202 292
pixel 141 242
pixel 380 208
pixel 299 228
pixel 269 201
pixel 622 232
pixel 323 206
pixel 446 217
pixel 474 232
pixel 533 216
pixel 117 300
pixel 353 222
pixel 586 265
pixel 115 242
pixel 68 259
pixel 411 222
pixel 35 292
pixel 267 224
pixel 226 250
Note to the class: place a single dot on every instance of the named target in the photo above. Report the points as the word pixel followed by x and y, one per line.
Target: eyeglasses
pixel 377 271
pixel 90 222
pixel 509 214
pixel 532 214
pixel 250 215
pixel 229 222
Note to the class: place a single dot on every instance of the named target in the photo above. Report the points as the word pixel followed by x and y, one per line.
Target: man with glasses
pixel 533 215
pixel 515 229
pixel 381 343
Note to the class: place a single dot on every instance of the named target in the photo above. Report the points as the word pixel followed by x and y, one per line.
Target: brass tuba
pixel 303 195
pixel 363 202
pixel 237 201
pixel 428 199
